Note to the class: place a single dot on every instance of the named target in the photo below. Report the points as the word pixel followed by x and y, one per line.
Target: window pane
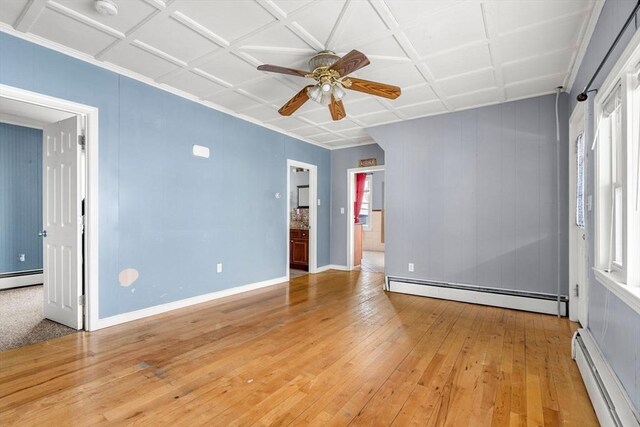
pixel 617 227
pixel 580 181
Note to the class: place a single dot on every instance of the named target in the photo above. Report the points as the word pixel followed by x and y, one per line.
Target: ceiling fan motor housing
pixel 323 59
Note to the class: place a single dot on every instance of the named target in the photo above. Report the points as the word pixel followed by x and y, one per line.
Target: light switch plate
pixel 342 211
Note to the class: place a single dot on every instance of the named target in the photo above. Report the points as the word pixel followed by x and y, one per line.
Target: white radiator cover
pixel 517 300
pixel 610 401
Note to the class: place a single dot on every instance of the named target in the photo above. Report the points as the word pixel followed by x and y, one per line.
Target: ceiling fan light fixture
pixel 326 87
pixel 315 93
pixel 338 91
pixel 326 98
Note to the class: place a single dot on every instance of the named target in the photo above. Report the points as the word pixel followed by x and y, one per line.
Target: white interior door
pixel 62 218
pixel 577 232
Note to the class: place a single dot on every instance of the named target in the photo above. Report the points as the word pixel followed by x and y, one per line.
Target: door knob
pixel 42 233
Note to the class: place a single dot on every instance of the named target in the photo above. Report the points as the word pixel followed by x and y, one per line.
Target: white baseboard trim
pixel 480 296
pixel 331 267
pixel 610 401
pixel 17 281
pixel 163 308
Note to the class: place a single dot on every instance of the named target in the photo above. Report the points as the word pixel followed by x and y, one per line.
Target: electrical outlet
pixel 219 267
pixel 411 267
pixel 318 202
pixel 22 258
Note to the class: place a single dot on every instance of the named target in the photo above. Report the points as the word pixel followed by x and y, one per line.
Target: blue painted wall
pixel 471 196
pixel 166 213
pixel 614 325
pixel 20 198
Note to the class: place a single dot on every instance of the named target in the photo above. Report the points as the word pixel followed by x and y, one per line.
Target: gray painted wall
pixel 471 196
pixel 377 184
pixel 341 160
pixel 614 325
pixel 20 198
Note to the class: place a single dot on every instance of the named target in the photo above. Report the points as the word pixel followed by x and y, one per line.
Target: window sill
pixel 630 295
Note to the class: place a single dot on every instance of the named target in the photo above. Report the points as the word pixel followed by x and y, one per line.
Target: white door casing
pixel 577 236
pixel 62 221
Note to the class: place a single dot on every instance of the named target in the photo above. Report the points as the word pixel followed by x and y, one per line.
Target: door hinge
pixel 82 141
pixel 577 291
pixel 81 299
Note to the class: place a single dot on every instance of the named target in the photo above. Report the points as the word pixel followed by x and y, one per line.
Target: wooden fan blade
pixel 296 102
pixel 349 63
pixel 374 88
pixel 282 70
pixel 337 109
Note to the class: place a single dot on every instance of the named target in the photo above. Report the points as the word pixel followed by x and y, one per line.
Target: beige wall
pixel 373 238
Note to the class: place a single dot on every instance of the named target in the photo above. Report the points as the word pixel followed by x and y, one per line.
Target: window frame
pixel 622 278
pixel 368 187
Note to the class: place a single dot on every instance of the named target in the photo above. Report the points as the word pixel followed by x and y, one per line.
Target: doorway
pixel 365 240
pixel 578 206
pixel 67 214
pixel 302 207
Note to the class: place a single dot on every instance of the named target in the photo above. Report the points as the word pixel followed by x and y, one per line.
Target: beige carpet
pixel 22 321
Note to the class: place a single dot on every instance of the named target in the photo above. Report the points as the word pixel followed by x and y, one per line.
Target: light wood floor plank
pixel 325 349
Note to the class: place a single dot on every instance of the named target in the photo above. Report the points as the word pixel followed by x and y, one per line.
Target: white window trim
pixel 626 288
pixel 628 294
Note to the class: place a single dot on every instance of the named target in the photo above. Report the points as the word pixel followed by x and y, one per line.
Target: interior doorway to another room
pixel 44 195
pixel 301 218
pixel 366 219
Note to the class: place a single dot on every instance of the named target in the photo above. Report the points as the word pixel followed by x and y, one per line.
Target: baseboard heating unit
pixel 517 300
pixel 20 278
pixel 610 402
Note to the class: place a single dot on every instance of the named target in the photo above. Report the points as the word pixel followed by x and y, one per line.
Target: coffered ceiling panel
pixel 131 13
pixel 139 61
pixel 435 33
pixel 229 19
pixel 230 68
pixel 470 82
pixel 195 84
pixel 69 32
pixel 11 10
pixel 177 40
pixel 446 55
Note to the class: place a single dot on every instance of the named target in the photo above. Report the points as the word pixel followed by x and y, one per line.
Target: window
pixel 617 175
pixel 580 181
pixel 365 209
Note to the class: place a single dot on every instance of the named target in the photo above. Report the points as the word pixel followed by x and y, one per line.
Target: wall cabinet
pixel 299 249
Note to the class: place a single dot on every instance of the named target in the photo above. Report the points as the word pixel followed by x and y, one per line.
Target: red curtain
pixel 357 204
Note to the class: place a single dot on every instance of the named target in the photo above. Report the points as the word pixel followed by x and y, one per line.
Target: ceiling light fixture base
pixel 106 7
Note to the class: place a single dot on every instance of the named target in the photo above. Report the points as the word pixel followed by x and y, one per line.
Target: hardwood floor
pixel 326 349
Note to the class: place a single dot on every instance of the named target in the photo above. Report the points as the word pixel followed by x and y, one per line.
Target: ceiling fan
pixel 330 72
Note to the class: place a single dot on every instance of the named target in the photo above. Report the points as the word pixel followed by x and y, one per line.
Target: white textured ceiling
pixel 446 55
